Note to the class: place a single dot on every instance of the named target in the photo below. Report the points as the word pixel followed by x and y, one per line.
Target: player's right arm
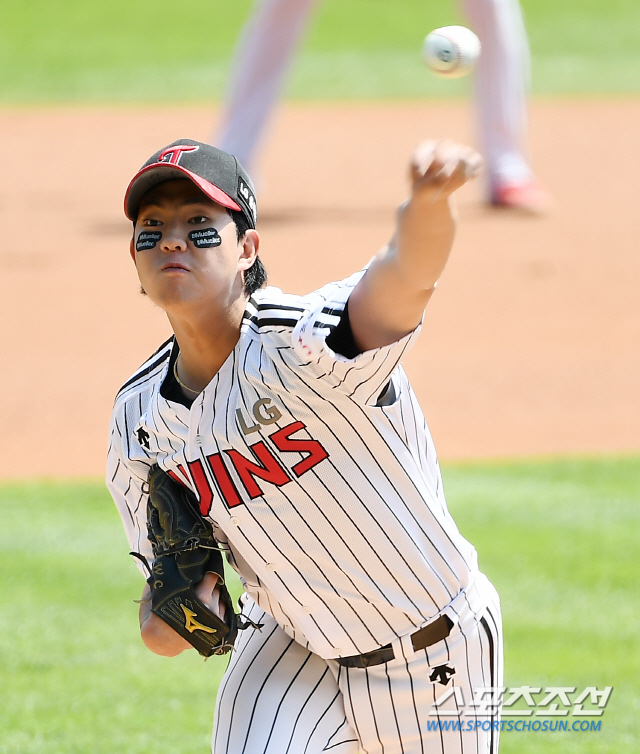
pixel 389 301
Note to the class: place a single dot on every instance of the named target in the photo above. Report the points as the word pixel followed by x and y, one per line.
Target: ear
pixel 132 251
pixel 249 246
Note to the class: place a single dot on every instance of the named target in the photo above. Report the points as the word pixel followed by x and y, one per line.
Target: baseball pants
pixel 278 698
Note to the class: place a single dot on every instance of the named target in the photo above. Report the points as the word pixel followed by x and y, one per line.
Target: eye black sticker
pixel 148 239
pixel 206 238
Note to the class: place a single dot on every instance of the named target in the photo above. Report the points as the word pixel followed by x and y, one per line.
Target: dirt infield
pixel 530 347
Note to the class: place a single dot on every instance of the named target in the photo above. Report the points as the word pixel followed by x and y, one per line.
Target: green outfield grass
pixel 558 539
pixel 163 50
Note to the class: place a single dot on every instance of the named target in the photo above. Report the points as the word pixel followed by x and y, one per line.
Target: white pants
pixel 278 698
pixel 273 32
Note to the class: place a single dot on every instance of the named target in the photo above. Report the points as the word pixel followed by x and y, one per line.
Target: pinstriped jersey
pixel 317 472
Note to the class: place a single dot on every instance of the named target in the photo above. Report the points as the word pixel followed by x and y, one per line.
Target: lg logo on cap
pixel 247 195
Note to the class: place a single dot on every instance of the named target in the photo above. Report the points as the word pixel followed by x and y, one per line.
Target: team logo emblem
pixel 441 674
pixel 143 438
pixel 173 155
pixel 192 625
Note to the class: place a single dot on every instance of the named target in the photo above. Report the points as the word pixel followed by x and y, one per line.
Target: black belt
pixel 438 629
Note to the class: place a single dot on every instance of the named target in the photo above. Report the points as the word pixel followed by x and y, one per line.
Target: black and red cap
pixel 218 174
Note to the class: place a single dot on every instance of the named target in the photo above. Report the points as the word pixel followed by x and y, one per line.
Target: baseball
pixel 451 51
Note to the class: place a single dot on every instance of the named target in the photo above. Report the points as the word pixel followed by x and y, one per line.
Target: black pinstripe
pixel 383 471
pixel 493 650
pixel 266 706
pixel 373 522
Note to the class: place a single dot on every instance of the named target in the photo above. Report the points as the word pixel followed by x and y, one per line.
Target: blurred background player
pixel 273 33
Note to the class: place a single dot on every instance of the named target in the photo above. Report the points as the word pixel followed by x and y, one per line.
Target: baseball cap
pixel 218 174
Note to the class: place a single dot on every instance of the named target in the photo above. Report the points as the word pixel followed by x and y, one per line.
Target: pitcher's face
pixel 186 250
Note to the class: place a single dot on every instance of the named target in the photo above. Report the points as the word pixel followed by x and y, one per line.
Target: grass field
pixel 558 538
pixel 160 50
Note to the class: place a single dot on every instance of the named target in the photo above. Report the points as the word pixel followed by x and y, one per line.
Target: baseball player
pixel 273 33
pixel 290 420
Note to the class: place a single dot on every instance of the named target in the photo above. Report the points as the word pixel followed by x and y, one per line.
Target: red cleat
pixel 527 197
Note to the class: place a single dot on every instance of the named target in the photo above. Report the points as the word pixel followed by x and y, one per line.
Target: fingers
pixel 209 594
pixel 443 166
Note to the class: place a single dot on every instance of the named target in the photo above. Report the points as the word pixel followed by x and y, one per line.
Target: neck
pixel 205 344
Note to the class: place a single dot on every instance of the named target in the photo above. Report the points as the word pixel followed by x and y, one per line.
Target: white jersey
pixel 327 498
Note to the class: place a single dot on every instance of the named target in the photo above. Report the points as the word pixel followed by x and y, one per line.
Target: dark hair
pixel 256 276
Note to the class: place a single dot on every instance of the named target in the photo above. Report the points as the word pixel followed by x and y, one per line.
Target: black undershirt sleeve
pixel 340 339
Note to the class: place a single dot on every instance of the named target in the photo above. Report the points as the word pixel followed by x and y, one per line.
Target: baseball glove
pixel 184 550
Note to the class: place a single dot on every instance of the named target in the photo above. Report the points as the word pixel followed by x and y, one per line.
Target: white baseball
pixel 451 51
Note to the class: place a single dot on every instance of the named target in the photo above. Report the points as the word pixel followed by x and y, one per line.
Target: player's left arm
pixel 389 300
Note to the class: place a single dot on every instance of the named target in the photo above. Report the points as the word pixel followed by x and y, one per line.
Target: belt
pixel 438 629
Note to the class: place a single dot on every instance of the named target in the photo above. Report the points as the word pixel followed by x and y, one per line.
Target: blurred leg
pixel 263 54
pixel 501 83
